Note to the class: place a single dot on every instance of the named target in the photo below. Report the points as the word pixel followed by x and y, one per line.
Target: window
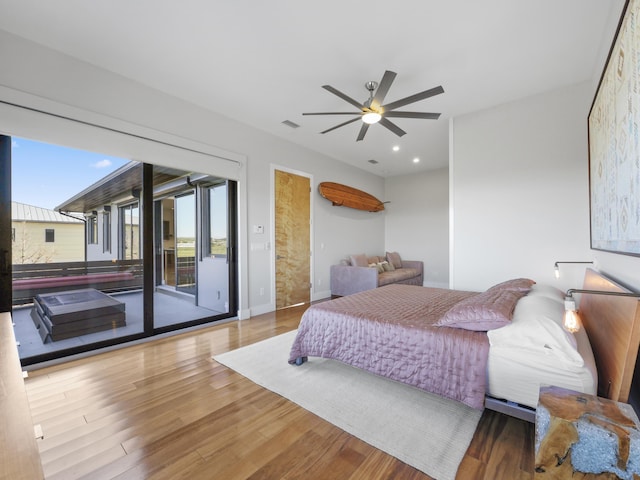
pixel 13 234
pixel 49 235
pixel 216 227
pixel 130 232
pixel 92 230
pixel 106 230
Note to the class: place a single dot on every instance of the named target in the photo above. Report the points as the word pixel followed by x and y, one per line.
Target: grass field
pixel 186 247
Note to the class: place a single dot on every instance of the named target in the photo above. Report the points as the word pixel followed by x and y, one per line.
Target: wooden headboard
pixel 613 326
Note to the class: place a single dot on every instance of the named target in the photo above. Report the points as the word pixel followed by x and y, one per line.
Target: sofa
pixel 361 272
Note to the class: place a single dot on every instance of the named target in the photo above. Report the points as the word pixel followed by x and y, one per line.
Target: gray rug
pixel 426 431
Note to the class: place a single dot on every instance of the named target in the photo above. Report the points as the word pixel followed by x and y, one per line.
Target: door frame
pixel 272 237
pixel 6 280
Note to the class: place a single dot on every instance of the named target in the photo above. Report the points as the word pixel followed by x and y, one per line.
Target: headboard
pixel 613 326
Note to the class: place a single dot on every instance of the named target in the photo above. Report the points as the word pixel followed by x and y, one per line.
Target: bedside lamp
pixel 571 321
pixel 557 267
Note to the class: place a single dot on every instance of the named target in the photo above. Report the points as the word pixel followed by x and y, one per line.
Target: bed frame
pixel 613 326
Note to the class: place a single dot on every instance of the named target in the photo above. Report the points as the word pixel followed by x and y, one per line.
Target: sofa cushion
pixel 397 275
pixel 377 266
pixel 394 258
pixel 387 267
pixel 359 260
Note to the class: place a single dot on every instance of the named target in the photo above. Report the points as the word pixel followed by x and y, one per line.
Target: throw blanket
pixel 389 331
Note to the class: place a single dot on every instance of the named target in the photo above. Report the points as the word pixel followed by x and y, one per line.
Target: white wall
pixel 417 222
pixel 42 79
pixel 520 194
pixel 519 190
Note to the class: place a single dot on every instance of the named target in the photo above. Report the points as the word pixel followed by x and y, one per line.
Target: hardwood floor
pixel 166 410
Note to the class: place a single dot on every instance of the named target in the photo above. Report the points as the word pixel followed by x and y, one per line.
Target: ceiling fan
pixel 373 111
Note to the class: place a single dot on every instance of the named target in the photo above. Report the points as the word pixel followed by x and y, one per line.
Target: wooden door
pixel 292 239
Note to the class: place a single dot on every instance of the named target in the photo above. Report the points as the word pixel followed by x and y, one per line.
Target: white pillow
pixel 536 330
pixel 544 290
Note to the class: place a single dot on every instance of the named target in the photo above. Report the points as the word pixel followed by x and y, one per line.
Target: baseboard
pixel 269 307
pixel 320 295
pixel 260 309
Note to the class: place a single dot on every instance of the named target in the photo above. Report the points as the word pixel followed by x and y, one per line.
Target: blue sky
pixel 45 175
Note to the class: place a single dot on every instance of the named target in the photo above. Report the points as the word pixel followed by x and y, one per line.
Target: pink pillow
pixel 515 284
pixel 359 260
pixel 482 312
pixel 394 259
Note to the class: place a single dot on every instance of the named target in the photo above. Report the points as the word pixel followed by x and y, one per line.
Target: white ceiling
pixel 263 62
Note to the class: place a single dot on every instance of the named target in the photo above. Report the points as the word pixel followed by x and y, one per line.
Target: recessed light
pixel 396 148
pixel 416 160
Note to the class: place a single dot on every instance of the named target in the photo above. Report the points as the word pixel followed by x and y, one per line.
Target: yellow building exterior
pixel 40 235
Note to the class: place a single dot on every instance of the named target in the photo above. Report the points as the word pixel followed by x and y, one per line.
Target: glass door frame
pixel 5 225
pixel 146 210
pixel 186 269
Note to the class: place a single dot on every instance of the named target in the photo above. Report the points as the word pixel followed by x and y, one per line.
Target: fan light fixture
pixel 371 118
pixel 374 110
pixel 571 321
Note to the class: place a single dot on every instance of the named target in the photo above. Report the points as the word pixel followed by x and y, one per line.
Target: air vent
pixel 291 124
pixel 373 162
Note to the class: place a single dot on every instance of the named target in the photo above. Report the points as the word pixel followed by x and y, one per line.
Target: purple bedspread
pixel 388 331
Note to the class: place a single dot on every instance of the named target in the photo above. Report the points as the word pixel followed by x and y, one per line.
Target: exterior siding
pixel 29 246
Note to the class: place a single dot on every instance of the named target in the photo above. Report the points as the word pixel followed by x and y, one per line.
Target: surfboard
pixel 344 196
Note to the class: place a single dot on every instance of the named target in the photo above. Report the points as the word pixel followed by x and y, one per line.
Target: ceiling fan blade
pixel 383 88
pixel 363 131
pixel 413 98
pixel 342 124
pixel 346 98
pixel 392 126
pixel 425 115
pixel 333 113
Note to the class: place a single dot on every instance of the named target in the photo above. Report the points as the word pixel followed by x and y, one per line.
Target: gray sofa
pixel 348 278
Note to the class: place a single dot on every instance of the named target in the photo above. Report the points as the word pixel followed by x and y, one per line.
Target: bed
pixel 489 349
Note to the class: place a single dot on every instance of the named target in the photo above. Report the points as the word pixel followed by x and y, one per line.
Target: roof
pixel 21 212
pixel 121 183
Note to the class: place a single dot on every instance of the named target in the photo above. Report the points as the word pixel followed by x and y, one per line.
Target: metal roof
pixel 21 212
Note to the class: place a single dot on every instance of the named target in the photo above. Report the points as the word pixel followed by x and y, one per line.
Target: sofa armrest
pixel 417 264
pixel 346 279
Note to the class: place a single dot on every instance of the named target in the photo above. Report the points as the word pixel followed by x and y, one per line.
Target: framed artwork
pixel 614 143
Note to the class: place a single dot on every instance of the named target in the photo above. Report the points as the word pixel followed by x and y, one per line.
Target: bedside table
pixel 584 433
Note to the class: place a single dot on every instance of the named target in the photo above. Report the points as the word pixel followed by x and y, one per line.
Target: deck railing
pixel 107 276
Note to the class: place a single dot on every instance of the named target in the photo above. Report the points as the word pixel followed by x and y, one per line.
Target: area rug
pixel 425 431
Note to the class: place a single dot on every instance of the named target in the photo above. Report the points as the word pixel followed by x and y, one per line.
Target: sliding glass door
pixel 214 264
pixel 185 222
pixel 195 231
pixel 94 263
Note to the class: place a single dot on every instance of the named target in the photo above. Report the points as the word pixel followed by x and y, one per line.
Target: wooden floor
pixel 166 410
